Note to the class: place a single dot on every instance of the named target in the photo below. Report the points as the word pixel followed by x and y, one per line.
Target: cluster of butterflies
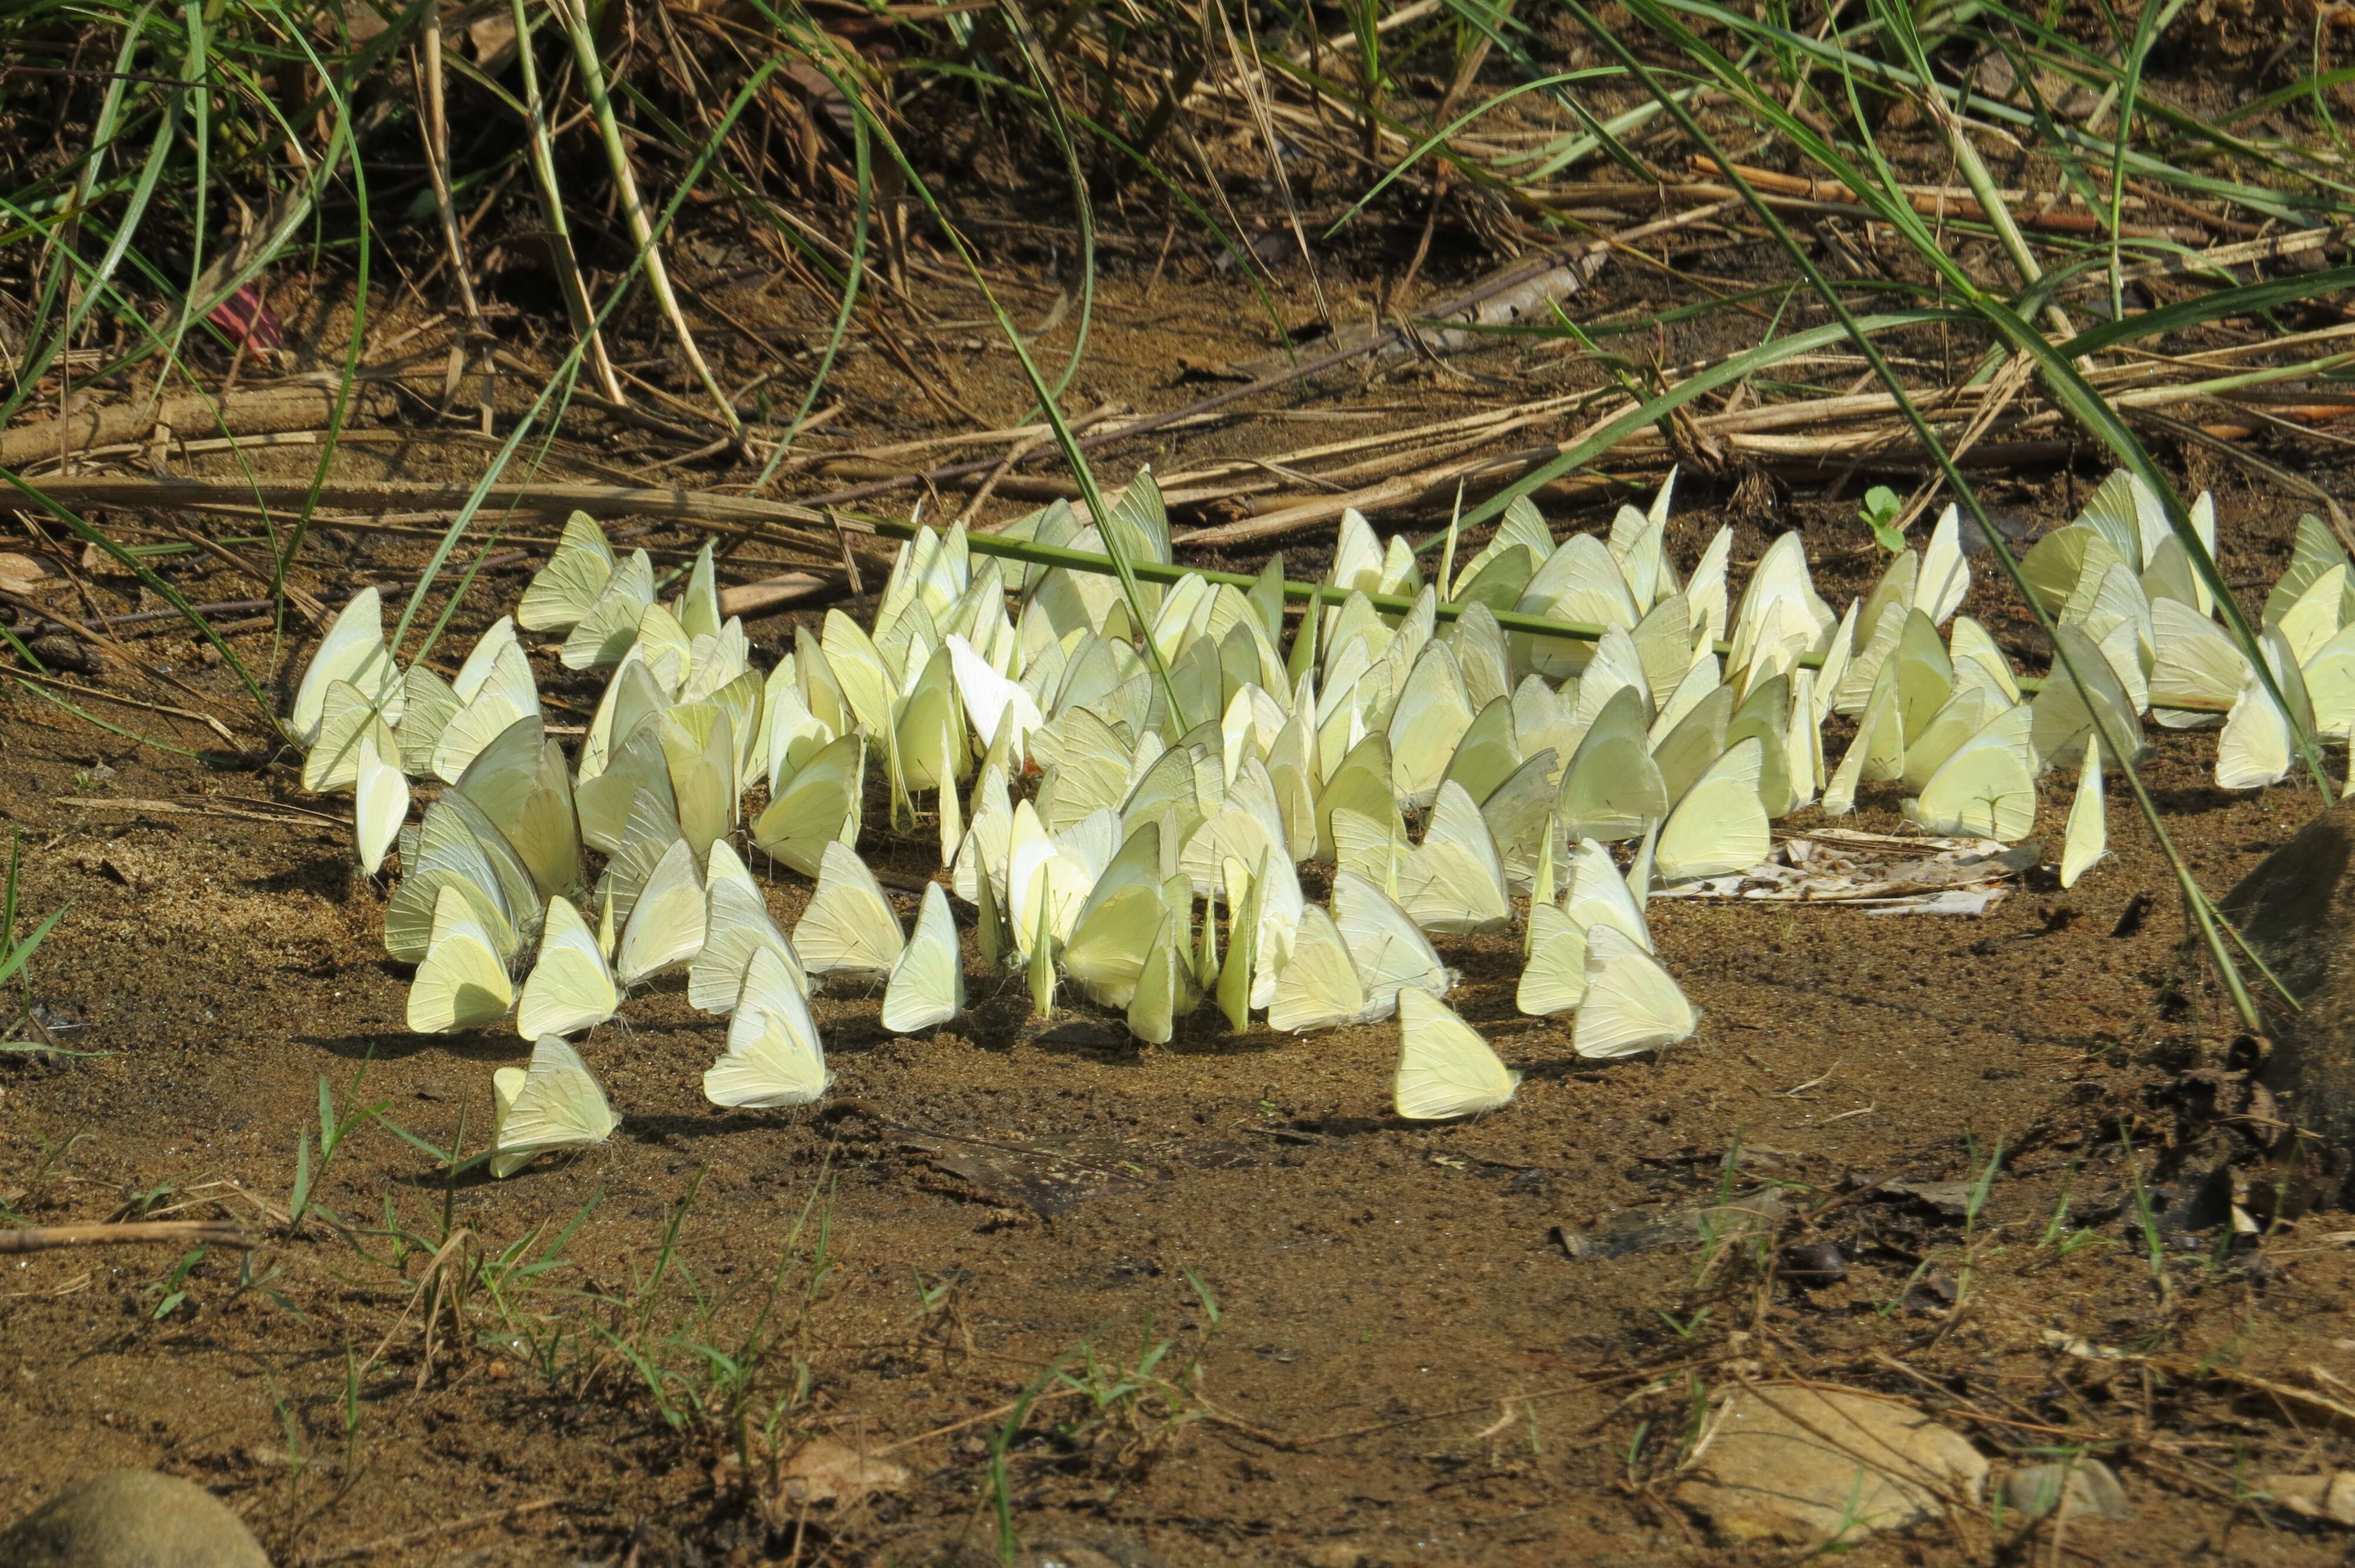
pixel 2134 617
pixel 1111 773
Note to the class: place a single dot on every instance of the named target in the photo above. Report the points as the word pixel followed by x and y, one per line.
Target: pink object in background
pixel 246 321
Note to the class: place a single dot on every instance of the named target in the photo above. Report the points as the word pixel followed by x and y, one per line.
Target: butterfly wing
pixel 569 988
pixel 567 589
pixel 773 1057
pixel 2088 837
pixel 666 922
pixel 1445 1069
pixel 1630 1004
pixel 736 923
pixel 1720 826
pixel 817 808
pixel 1319 986
pixel 927 984
pixel 558 1105
pixel 1554 979
pixel 381 796
pixel 462 983
pixel 849 924
pixel 1389 950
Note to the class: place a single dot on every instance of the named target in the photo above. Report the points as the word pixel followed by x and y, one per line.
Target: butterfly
pixel 1445 1068
pixel 569 988
pixel 1630 1005
pixel 462 983
pixel 927 983
pixel 773 1057
pixel 848 923
pixel 554 1103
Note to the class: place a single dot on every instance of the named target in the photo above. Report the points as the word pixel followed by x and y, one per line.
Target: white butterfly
pixel 1554 979
pixel 1988 787
pixel 1445 1068
pixel 666 922
pixel 569 988
pixel 736 923
pixel 503 691
pixel 462 984
pixel 2088 837
pixel 1165 985
pixel 774 1058
pixel 553 1104
pixel 1718 826
pixel 520 782
pixel 1453 881
pixel 991 700
pixel 1613 788
pixel 1113 938
pixel 927 985
pixel 1385 944
pixel 816 808
pixel 603 635
pixel 565 590
pixel 1319 986
pixel 849 924
pixel 1630 1004
pixel 380 797
pixel 1599 896
pixel 353 650
pixel 449 851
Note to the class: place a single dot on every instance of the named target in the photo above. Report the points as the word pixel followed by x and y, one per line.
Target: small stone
pixel 1812 1265
pixel 822 1470
pixel 1342 1553
pixel 132 1519
pixel 2085 1489
pixel 1810 1466
pixel 2329 1496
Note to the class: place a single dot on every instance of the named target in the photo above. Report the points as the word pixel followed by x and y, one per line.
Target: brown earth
pixel 1264 1321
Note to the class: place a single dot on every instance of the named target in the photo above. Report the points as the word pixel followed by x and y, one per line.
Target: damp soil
pixel 1210 1301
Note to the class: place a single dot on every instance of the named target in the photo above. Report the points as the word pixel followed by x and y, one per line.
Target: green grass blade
pixel 2196 900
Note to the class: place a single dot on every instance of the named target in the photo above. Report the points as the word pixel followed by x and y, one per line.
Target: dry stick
pixel 303 601
pixel 108 645
pixel 706 510
pixel 1930 201
pixel 432 1531
pixel 1741 430
pixel 2000 393
pixel 268 426
pixel 1302 1444
pixel 200 1233
pixel 44 679
pixel 254 412
pixel 684 505
pixel 1006 1409
pixel 990 481
pixel 436 135
pixel 702 509
pixel 1486 421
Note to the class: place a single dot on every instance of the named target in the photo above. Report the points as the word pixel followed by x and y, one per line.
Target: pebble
pixel 1810 1466
pixel 2086 1489
pixel 1812 1265
pixel 2329 1496
pixel 132 1519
